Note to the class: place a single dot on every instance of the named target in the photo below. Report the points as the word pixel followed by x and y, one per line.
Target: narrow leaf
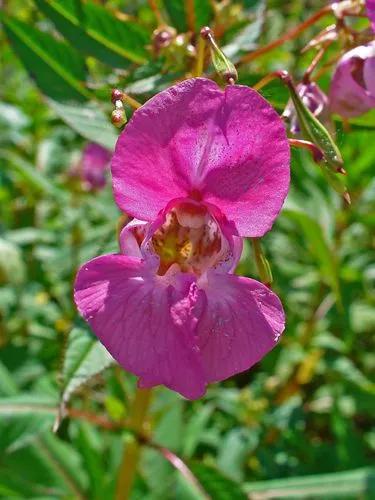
pixel 85 358
pixel 57 68
pixel 23 418
pixel 358 483
pixel 216 484
pixel 94 30
pixel 88 120
pixel 322 252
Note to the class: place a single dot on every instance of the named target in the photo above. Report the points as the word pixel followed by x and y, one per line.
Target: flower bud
pixel 116 95
pixel 94 163
pixel 352 91
pixel 118 117
pixel 162 38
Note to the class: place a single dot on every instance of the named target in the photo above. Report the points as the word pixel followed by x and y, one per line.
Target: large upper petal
pixel 241 322
pixel 144 322
pixel 229 147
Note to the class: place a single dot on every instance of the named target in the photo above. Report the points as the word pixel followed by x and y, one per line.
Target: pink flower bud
pixel 352 90
pixel 95 161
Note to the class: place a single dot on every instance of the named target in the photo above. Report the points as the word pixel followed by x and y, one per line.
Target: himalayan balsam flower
pixel 199 168
pixel 94 163
pixel 352 91
pixel 315 100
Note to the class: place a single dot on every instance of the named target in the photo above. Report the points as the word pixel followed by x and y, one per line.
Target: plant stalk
pixel 131 454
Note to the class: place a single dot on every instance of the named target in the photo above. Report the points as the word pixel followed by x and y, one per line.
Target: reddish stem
pixel 314 63
pixel 180 465
pixel 288 36
pixel 312 148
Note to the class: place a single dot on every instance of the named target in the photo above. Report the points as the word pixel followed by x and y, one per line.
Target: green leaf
pixel 8 387
pixel 12 265
pixel 203 13
pixel 195 429
pixel 319 248
pixel 176 10
pixel 245 39
pixel 85 358
pixel 46 469
pixel 217 485
pixel 23 418
pixel 94 30
pixel 57 68
pixel 89 121
pixel 358 483
pixel 35 179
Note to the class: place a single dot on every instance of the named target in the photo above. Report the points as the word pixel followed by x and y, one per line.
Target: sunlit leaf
pixel 57 68
pixel 85 358
pixel 93 29
pixel 89 121
pixel 351 484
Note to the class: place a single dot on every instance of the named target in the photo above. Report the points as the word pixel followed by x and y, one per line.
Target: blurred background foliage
pixel 299 424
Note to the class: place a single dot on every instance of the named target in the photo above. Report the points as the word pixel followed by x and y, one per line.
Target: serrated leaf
pixel 85 358
pixel 57 68
pixel 94 30
pixel 89 121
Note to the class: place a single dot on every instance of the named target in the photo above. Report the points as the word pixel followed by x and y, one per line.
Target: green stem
pixel 199 65
pixel 264 269
pixel 131 454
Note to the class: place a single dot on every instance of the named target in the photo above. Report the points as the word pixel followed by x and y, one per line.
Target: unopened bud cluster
pixel 118 116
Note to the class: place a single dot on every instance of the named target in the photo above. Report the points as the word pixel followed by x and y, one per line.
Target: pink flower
pixel 198 168
pixel 352 90
pixel 95 161
pixel 314 99
pixel 370 6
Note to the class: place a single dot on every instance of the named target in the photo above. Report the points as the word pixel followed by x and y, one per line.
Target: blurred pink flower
pixel 199 168
pixel 315 100
pixel 94 163
pixel 370 6
pixel 352 91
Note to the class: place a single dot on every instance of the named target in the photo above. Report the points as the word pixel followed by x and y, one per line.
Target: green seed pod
pixel 314 131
